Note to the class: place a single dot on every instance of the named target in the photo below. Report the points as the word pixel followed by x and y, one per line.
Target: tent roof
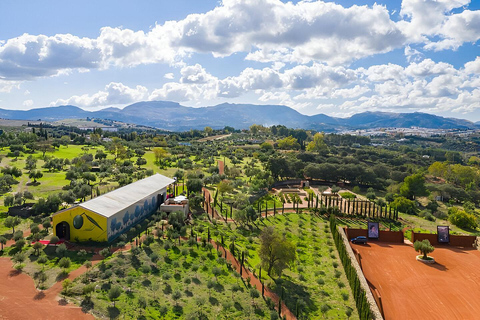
pixel 117 200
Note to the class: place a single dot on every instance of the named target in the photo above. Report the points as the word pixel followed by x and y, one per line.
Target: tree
pixel 335 189
pixel 3 241
pixel 20 243
pixel 46 224
pixel 88 264
pixel 276 252
pixel 179 174
pixel 423 247
pixel 176 295
pixel 288 143
pixel 45 147
pixel 34 228
pixel 9 200
pixel 30 163
pixel 61 249
pixel 12 222
pixel 194 185
pixel 224 186
pixel 216 271
pixel 37 246
pixel 413 186
pixel 208 131
pixel 141 162
pixel 177 220
pixel 64 263
pixel 41 277
pixel 35 174
pixel 318 144
pixel 160 154
pixel 210 285
pixel 88 289
pixel 114 293
pixel 66 286
pixel 254 294
pixel 402 204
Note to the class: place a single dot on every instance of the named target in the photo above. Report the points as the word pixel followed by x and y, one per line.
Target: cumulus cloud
pixel 114 94
pixel 28 103
pixel 439 24
pixel 8 86
pixel 267 30
pixel 28 56
pixel 426 86
pixel 169 76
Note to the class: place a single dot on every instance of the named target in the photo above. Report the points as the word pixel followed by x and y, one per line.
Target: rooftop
pixel 112 202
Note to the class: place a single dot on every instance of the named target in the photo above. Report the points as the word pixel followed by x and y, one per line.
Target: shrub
pixel 462 219
pixel 402 204
pixel 347 195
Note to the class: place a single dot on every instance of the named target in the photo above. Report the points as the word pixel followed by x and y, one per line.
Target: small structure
pixel 179 203
pixel 108 216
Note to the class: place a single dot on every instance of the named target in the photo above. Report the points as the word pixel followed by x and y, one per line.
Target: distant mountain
pixel 175 117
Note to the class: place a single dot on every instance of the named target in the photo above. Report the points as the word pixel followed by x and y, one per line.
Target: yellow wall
pixel 88 230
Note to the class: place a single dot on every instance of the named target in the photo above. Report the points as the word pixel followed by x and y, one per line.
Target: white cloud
pixel 8 86
pixel 413 55
pixel 424 86
pixel 350 93
pixel 169 76
pixel 28 57
pixel 268 30
pixel 428 68
pixel 434 23
pixel 114 94
pixel 28 103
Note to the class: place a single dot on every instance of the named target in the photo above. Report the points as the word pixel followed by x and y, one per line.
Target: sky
pixel 337 58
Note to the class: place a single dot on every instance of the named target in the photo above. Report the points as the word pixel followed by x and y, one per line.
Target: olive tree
pixel 424 247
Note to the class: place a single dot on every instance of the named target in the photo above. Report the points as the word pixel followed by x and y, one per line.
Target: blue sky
pixel 337 58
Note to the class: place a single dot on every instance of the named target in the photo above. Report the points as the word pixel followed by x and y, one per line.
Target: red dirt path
pixel 448 289
pixel 221 166
pixel 20 300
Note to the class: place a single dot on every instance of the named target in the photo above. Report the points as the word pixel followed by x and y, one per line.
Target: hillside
pixel 175 117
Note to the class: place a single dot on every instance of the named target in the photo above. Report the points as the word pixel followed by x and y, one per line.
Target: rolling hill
pixel 175 117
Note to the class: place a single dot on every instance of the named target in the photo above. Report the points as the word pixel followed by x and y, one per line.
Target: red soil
pixel 411 289
pixel 20 300
pixel 220 167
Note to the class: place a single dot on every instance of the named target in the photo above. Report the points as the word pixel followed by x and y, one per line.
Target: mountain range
pixel 172 116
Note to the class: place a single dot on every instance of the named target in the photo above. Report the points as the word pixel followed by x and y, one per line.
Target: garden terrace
pixel 169 280
pixel 317 281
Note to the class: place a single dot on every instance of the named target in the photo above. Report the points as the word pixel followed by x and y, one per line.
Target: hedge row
pixel 359 294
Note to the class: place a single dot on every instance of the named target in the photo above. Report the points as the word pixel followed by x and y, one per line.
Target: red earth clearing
pixel 410 289
pixel 20 300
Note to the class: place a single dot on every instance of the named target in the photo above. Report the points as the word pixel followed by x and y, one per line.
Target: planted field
pixel 316 283
pixel 169 281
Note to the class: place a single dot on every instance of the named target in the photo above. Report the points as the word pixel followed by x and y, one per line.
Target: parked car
pixel 360 239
